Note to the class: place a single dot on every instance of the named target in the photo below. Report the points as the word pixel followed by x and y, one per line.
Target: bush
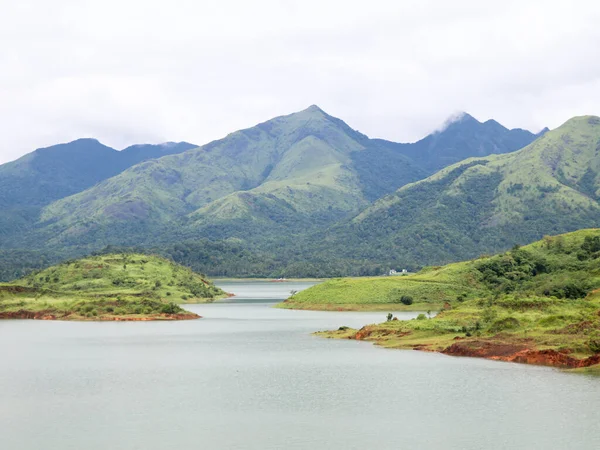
pixel 421 317
pixel 571 290
pixel 508 323
pixel 406 299
pixel 594 343
pixel 170 308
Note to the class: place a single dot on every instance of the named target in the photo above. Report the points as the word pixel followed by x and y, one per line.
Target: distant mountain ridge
pixel 291 174
pixel 48 174
pixel 290 171
pixel 268 190
pixel 486 204
pixel 55 172
pixel 464 137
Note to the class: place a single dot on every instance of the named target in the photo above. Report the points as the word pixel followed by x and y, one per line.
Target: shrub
pixel 489 314
pixel 170 308
pixel 421 317
pixel 406 299
pixel 594 343
pixel 507 323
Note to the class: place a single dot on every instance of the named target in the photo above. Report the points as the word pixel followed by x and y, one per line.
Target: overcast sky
pixel 129 71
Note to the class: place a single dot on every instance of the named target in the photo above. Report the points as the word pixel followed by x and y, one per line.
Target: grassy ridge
pixel 536 304
pixel 125 286
pixel 554 260
pixel 484 204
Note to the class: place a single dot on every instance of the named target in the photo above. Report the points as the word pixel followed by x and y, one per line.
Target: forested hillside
pixel 485 204
pixel 264 197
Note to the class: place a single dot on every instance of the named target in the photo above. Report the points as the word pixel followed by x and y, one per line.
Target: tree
pixel 406 299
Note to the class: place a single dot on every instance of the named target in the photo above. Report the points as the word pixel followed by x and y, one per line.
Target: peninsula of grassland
pixel 537 304
pixel 108 287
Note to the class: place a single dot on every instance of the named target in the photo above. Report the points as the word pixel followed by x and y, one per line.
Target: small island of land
pixel 120 287
pixel 537 304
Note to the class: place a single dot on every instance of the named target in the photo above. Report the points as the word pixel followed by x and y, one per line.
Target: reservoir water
pixel 249 376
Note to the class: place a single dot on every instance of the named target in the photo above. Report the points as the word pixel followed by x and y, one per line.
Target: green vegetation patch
pixel 105 287
pixel 539 304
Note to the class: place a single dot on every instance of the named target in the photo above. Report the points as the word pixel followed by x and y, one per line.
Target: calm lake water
pixel 249 376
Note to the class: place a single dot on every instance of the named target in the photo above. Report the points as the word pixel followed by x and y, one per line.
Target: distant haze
pixel 133 71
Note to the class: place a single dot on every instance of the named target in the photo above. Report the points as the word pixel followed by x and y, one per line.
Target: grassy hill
pixel 291 169
pixel 292 175
pixel 52 173
pixel 536 304
pixel 549 264
pixel 485 204
pixel 273 189
pixel 107 287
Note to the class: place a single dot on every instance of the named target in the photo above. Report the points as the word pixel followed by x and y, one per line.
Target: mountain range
pixel 307 187
pixel 48 174
pixel 486 204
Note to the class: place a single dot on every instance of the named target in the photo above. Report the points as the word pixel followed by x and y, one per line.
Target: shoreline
pixel 500 348
pixel 360 307
pixel 272 280
pixel 73 317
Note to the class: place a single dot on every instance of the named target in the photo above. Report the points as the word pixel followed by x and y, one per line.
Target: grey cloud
pixel 134 71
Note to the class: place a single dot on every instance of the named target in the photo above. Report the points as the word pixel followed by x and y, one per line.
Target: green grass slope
pixel 485 204
pixel 301 163
pixel 537 304
pixel 293 174
pixel 107 287
pixel 551 265
pixel 52 173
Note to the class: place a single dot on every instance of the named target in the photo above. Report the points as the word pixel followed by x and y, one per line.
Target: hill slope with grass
pixel 292 169
pixel 485 204
pixel 291 175
pixel 48 174
pixel 107 287
pixel 536 304
pixel 554 266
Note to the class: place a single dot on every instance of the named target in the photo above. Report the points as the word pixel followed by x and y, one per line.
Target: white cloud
pixel 133 71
